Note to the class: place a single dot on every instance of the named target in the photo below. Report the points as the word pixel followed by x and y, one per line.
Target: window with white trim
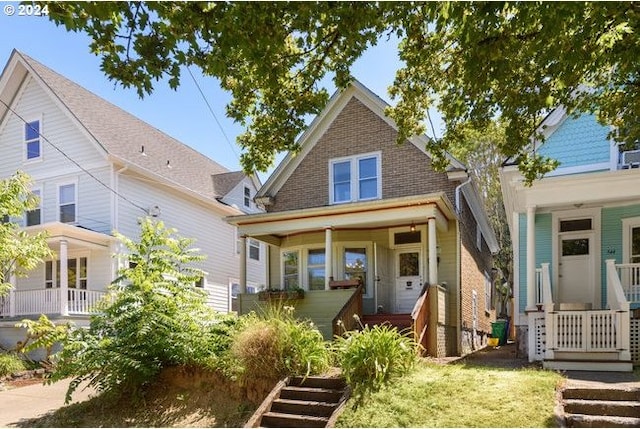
pixel 290 269
pixel 355 265
pixel 247 197
pixel 67 203
pixel 77 273
pixel 355 178
pixel 315 269
pixel 33 146
pixel 254 249
pixel 34 217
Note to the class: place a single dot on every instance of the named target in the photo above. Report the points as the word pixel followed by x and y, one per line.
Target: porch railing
pixel 590 330
pixel 48 301
pixel 420 318
pixel 344 320
pixel 629 275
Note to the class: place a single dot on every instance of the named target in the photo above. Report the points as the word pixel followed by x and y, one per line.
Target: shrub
pixel 42 333
pixel 372 357
pixel 10 363
pixel 153 317
pixel 275 345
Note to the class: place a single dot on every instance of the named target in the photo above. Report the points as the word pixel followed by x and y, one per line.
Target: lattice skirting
pixel 635 340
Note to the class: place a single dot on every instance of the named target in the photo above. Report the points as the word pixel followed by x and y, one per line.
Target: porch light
pixel 412 228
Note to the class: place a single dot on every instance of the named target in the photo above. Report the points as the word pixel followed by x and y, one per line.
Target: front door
pixel 408 279
pixel 576 270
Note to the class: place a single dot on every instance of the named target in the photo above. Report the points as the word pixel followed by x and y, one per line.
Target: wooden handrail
pixel 345 315
pixel 420 317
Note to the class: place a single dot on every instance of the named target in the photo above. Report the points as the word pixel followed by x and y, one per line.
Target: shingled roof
pixel 129 139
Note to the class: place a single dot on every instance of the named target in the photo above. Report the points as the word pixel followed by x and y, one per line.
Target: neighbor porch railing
pixel 629 275
pixel 590 330
pixel 48 301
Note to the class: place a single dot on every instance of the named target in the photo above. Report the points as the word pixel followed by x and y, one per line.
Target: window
pixel 315 269
pixel 575 225
pixel 355 264
pixel 410 237
pixel 5 219
pixel 254 249
pixel 67 203
pixel 32 140
pixel 355 179
pixel 290 269
pixel 247 197
pixel 488 301
pixel 34 217
pixel 199 283
pixel 77 273
pixel 575 247
pixel 635 245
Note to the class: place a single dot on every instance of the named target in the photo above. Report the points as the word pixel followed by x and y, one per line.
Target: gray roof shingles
pixel 123 135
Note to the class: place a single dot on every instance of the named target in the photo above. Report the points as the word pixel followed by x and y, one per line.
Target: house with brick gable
pixel 365 226
pixel 576 249
pixel 97 169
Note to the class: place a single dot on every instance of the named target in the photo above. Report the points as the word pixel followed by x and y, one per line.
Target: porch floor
pixel 400 320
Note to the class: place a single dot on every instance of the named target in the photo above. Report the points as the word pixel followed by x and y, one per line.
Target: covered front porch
pixel 391 252
pixel 69 284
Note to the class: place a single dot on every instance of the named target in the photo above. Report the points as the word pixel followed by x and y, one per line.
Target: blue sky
pixel 182 114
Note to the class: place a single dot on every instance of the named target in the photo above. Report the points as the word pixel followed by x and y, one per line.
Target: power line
pixel 72 160
pixel 213 114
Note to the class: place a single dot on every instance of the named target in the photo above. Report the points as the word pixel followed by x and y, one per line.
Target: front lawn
pixel 460 396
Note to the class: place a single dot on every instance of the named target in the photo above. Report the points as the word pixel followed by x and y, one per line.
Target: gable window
pixel 33 147
pixel 67 203
pixel 355 179
pixel 247 196
pixel 34 217
pixel 254 250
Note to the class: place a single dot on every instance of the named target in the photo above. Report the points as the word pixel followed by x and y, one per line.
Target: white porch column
pixel 433 252
pixel 64 279
pixel 531 258
pixel 243 264
pixel 328 256
pixel 12 295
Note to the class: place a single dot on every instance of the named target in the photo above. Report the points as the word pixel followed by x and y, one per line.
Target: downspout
pixel 457 193
pixel 116 262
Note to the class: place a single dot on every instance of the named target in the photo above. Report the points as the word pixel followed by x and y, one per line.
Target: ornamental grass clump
pixel 372 357
pixel 274 344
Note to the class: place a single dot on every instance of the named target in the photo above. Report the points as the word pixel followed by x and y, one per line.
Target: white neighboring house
pixel 98 169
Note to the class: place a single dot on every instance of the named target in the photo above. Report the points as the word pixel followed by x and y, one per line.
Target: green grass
pixel 460 396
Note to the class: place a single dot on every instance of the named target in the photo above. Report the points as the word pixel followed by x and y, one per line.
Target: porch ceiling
pixel 77 237
pixel 365 215
pixel 593 188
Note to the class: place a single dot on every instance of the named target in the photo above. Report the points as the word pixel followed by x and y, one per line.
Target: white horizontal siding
pixel 236 196
pixel 214 237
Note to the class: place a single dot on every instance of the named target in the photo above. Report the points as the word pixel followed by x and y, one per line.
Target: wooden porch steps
pixel 302 402
pixel 401 321
pixel 607 406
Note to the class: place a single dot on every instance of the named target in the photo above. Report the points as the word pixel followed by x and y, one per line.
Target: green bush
pixel 10 363
pixel 275 345
pixel 372 357
pixel 153 317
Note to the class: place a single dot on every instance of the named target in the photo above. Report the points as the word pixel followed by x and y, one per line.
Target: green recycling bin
pixel 499 330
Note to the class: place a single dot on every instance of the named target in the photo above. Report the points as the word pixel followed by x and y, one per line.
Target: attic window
pixel 32 140
pixel 247 196
pixel 355 178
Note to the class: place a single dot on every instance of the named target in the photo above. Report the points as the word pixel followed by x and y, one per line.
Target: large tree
pixel 472 61
pixel 20 251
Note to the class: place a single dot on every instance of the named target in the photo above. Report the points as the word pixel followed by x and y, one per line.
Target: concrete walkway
pixel 34 401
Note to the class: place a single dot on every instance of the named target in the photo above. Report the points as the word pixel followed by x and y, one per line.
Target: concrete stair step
pixel 309 408
pixel 588 365
pixel 602 408
pixel 587 421
pixel 282 420
pixel 603 394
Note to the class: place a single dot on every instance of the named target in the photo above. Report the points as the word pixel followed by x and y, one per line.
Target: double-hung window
pixel 32 142
pixel 247 197
pixel 34 217
pixel 355 178
pixel 291 269
pixel 254 249
pixel 67 203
